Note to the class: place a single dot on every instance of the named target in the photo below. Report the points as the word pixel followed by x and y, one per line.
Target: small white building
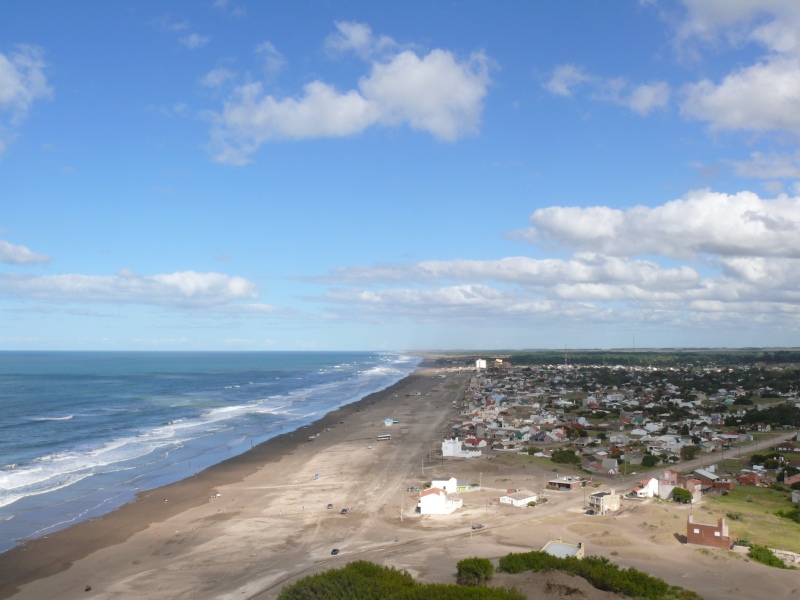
pixel 449 485
pixel 646 488
pixel 480 363
pixel 435 501
pixel 452 448
pixel 519 499
pixel 604 502
pixel 388 422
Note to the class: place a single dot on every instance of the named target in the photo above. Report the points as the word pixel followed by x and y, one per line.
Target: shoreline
pixel 53 553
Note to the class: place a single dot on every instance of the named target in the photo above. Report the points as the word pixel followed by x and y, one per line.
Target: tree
pixel 650 461
pixel 565 456
pixel 681 495
pixel 690 452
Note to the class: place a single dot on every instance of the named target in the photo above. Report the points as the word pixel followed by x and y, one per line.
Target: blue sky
pixel 380 175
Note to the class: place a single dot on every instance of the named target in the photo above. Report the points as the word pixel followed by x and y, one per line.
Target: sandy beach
pixel 247 527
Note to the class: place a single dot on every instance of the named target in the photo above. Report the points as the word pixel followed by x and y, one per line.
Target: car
pixel 330 506
pixel 335 551
pixel 590 512
pixel 343 511
pixel 477 526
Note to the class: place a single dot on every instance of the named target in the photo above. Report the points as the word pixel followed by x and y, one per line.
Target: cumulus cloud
pixel 437 93
pixel 185 289
pixel 357 38
pixel 216 77
pixel 641 99
pixel 13 254
pixel 273 60
pixel 702 222
pixel 762 97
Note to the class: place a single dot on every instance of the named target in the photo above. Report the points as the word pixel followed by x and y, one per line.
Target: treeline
pixel 658 358
pixel 599 572
pixel 776 415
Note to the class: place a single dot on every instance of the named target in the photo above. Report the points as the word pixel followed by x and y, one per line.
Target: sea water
pixel 82 432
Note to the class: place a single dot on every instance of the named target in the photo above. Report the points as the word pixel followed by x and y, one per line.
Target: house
pixel 646 488
pixel 667 481
pixel 708 535
pixel 475 442
pixel 604 502
pixel 519 498
pixel 561 549
pixel 750 478
pixel 566 483
pixel 452 448
pixel 786 447
pixel 449 485
pixel 435 501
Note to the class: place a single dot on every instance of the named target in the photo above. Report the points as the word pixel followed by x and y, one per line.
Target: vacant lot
pixel 754 509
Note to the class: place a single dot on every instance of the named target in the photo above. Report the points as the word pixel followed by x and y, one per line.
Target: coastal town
pixel 679 434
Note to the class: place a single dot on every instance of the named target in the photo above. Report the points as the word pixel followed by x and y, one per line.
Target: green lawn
pixel 758 522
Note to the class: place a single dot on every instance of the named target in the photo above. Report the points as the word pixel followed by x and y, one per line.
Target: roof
pixel 433 490
pixel 560 549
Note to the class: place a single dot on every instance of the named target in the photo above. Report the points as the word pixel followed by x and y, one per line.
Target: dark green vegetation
pixel 766 556
pixel 474 571
pixel 363 580
pixel 641 358
pixel 599 572
pixel 681 495
pixel 793 514
pixel 565 457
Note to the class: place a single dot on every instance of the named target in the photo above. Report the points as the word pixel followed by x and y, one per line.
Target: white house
pixel 449 485
pixel 480 363
pixel 646 488
pixel 453 448
pixel 519 499
pixel 435 501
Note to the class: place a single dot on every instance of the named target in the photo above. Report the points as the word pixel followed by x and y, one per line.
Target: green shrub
pixel 565 456
pixel 766 556
pixel 363 580
pixel 599 572
pixel 681 495
pixel 475 571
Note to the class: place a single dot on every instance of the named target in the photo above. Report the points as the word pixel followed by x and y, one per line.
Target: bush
pixel 650 460
pixel 367 581
pixel 599 572
pixel 766 556
pixel 565 456
pixel 475 571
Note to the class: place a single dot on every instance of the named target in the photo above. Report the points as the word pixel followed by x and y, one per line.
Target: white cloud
pixel 702 222
pixel 13 254
pixel 273 60
pixel 641 99
pixel 436 93
pixel 22 82
pixel 762 97
pixel 770 166
pixel 194 41
pixel 357 38
pixel 565 78
pixel 186 289
pixel 216 77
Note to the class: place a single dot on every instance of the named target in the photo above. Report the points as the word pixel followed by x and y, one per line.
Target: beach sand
pixel 247 527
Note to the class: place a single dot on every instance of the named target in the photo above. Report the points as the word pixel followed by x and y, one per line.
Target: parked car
pixel 330 506
pixel 343 511
pixel 335 551
pixel 477 526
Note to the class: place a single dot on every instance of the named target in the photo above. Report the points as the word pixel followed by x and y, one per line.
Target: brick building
pixel 708 535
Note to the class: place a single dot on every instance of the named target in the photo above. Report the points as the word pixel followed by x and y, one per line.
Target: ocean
pixel 81 432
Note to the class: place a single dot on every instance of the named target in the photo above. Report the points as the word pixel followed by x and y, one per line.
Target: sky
pixel 375 175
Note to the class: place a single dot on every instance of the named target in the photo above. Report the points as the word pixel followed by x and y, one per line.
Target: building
pixel 708 535
pixel 604 502
pixel 561 549
pixel 646 488
pixel 452 448
pixel 566 483
pixel 480 363
pixel 519 498
pixel 435 501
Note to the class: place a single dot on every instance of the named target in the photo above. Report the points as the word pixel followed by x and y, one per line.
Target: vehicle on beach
pixel 335 551
pixel 330 506
pixel 344 511
pixel 477 526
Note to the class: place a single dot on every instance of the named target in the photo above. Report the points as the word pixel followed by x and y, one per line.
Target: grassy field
pixel 757 522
